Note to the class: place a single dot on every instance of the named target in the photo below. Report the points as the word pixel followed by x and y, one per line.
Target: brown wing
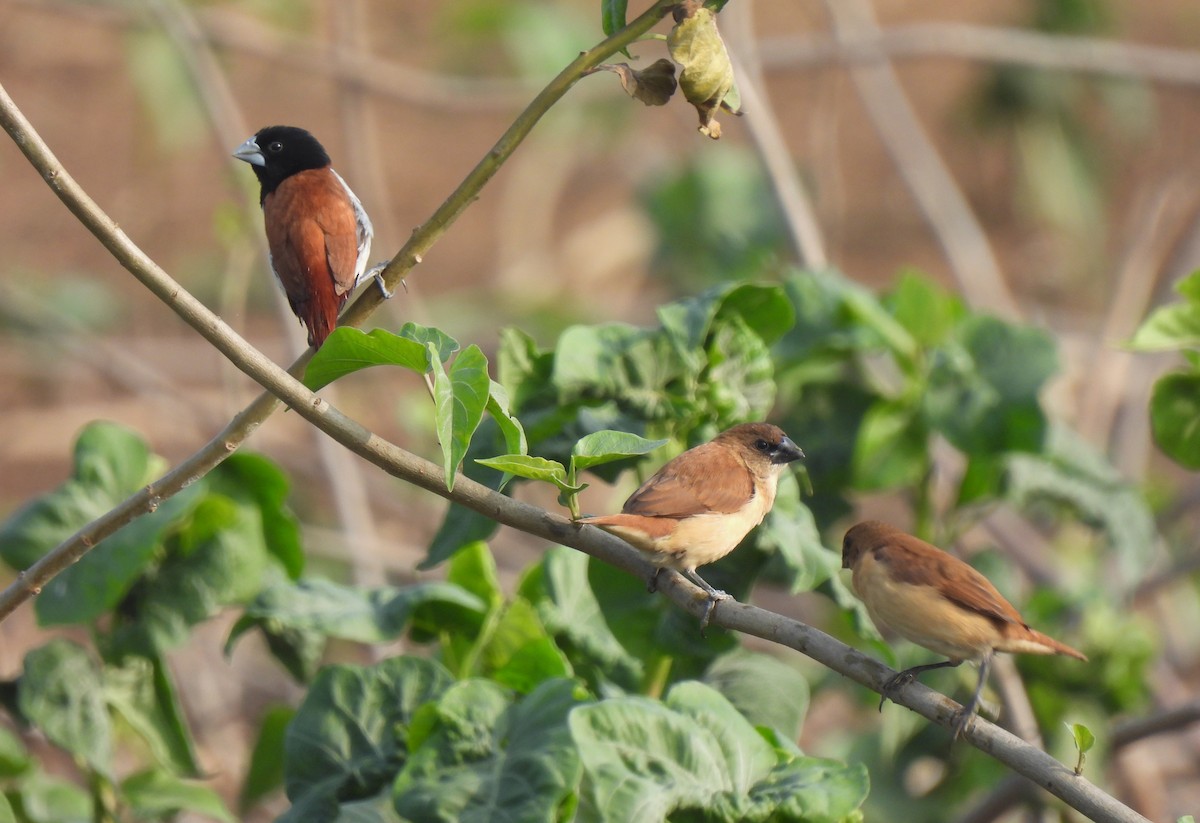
pixel 911 560
pixel 308 259
pixel 708 478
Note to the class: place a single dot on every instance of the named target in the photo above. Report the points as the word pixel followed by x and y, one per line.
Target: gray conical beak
pixel 251 153
pixel 786 452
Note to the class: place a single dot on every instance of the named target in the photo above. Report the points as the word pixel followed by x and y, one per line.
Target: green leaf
pixel 219 560
pixel 474 569
pixel 1176 326
pixel 61 693
pixel 766 691
pixel 490 761
pixel 99 581
pixel 612 15
pixel 510 427
pixel 810 790
pixel 44 799
pixel 348 350
pixel 1175 417
pixel 352 613
pixel 607 445
pixel 518 652
pixel 643 760
pixel 154 794
pixel 110 463
pixel 1084 740
pixel 460 397
pixel 442 343
pixel 927 311
pixel 532 468
pixel 264 775
pixel 142 693
pixel 740 381
pixel 892 449
pixel 253 478
pixel 1072 472
pixel 6 811
pixel 571 611
pixel 349 737
pixel 14 757
pixel 864 308
pixel 790 532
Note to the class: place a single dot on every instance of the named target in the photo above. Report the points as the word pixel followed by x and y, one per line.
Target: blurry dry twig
pixel 1054 52
pixel 963 240
pixel 794 202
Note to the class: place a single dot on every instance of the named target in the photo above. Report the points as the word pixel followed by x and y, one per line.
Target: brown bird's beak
pixel 786 452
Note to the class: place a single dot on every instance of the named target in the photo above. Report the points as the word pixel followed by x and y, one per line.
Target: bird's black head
pixel 277 152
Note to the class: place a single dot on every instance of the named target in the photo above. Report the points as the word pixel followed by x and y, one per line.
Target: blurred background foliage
pixel 621 272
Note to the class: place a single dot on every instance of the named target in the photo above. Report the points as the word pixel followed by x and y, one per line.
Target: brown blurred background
pixel 1089 216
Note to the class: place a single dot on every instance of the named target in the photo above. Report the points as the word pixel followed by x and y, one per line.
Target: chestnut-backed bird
pixel 937 601
pixel 318 233
pixel 699 506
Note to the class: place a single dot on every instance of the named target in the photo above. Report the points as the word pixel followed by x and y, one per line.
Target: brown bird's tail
pixel 1031 641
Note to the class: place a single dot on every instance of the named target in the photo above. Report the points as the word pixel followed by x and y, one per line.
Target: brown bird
pixel 699 506
pixel 937 601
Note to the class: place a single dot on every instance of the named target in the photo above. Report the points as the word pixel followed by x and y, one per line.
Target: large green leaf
pixel 569 609
pixel 220 559
pixel 927 311
pixel 518 651
pixel 892 450
pixel 350 612
pixel 1175 417
pixel 645 760
pixel 348 350
pixel 14 757
pixel 349 737
pixel 460 396
pixel 61 693
pixel 253 478
pixel 156 794
pixel 44 799
pixel 487 761
pixel 142 692
pixel 606 446
pixel 264 775
pixel 1176 326
pixel 110 464
pixel 767 691
pixel 1072 472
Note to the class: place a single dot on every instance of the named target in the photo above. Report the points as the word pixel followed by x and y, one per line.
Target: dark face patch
pixel 286 150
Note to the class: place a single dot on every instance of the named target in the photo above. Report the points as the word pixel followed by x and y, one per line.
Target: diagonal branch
pixel 249 360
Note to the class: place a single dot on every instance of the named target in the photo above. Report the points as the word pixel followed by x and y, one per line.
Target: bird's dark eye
pixel 275 147
pixel 762 445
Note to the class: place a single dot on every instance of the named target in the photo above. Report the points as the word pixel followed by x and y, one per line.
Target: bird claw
pixel 652 583
pixel 376 274
pixel 714 597
pixel 962 719
pixel 894 682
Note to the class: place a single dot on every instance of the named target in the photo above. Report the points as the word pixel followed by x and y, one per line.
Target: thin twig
pixel 963 241
pixel 993 44
pixel 764 126
pixel 1167 721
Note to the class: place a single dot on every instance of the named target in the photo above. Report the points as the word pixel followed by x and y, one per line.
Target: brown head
pixel 864 536
pixel 761 445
